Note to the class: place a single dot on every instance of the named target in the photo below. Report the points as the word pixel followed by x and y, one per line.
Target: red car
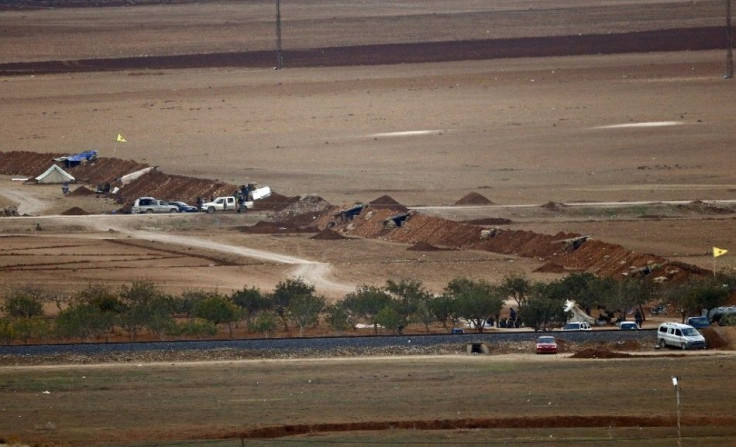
pixel 546 345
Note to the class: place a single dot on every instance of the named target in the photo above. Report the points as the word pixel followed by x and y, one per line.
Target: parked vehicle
pixel 577 326
pixel 546 345
pixel 679 335
pixel 226 203
pixel 698 322
pixel 716 314
pixel 628 326
pixel 151 205
pixel 659 309
pixel 184 208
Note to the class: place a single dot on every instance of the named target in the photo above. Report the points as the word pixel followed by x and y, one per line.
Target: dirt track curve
pixel 678 39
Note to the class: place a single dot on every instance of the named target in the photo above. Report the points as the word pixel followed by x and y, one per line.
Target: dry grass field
pixel 447 400
pixel 640 127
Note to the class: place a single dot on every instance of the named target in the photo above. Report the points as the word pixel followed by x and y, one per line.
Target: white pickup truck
pixel 226 203
pixel 230 203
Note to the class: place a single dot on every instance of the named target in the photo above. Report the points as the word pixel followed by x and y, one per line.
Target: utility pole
pixel 676 384
pixel 279 55
pixel 729 51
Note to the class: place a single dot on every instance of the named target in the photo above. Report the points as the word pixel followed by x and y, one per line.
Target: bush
pixel 7 332
pixel 197 328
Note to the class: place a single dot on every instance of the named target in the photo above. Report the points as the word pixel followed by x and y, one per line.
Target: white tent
pixel 55 174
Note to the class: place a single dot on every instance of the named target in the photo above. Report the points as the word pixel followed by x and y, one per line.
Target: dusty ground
pixel 125 404
pixel 518 131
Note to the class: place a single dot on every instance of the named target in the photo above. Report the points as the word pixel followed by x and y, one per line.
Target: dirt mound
pixel 274 202
pixel 82 191
pixel 488 221
pixel 75 211
pixel 716 338
pixel 328 235
pixel 551 267
pixel 309 219
pixel 25 163
pixel 553 205
pixel 387 202
pixel 473 198
pixel 567 250
pixel 423 246
pixel 600 354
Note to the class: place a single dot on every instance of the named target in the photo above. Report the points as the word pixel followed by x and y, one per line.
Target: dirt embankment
pixel 562 252
pixel 383 218
pixel 107 170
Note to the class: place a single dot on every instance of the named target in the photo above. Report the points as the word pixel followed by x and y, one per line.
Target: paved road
pixel 332 343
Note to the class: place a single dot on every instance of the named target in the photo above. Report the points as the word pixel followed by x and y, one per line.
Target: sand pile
pixel 75 211
pixel 327 235
pixel 473 198
pixel 387 202
pixel 82 191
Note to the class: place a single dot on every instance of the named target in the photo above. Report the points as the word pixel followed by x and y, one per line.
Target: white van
pixel 679 335
pixel 576 326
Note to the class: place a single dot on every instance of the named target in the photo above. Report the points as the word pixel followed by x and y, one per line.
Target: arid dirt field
pixel 447 400
pixel 518 131
pixel 585 123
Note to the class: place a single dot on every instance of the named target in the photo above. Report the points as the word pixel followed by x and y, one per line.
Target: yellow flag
pixel 719 252
pixel 121 139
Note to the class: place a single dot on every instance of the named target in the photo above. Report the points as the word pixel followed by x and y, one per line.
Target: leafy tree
pixel 284 293
pixel 476 301
pixel 23 303
pixel 541 312
pixel 518 287
pixel 423 311
pixel 390 318
pixel 304 310
pixel 251 301
pixel 443 308
pixel 697 295
pixel 266 322
pixel 366 302
pixel 136 300
pixel 160 319
pixel 623 295
pixel 338 317
pixel 197 328
pixel 408 295
pixel 85 321
pixel 544 307
pixel 217 309
pixel 28 328
pixel 577 287
pixel 100 296
pixel 60 298
pixel 184 305
pixel 7 332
